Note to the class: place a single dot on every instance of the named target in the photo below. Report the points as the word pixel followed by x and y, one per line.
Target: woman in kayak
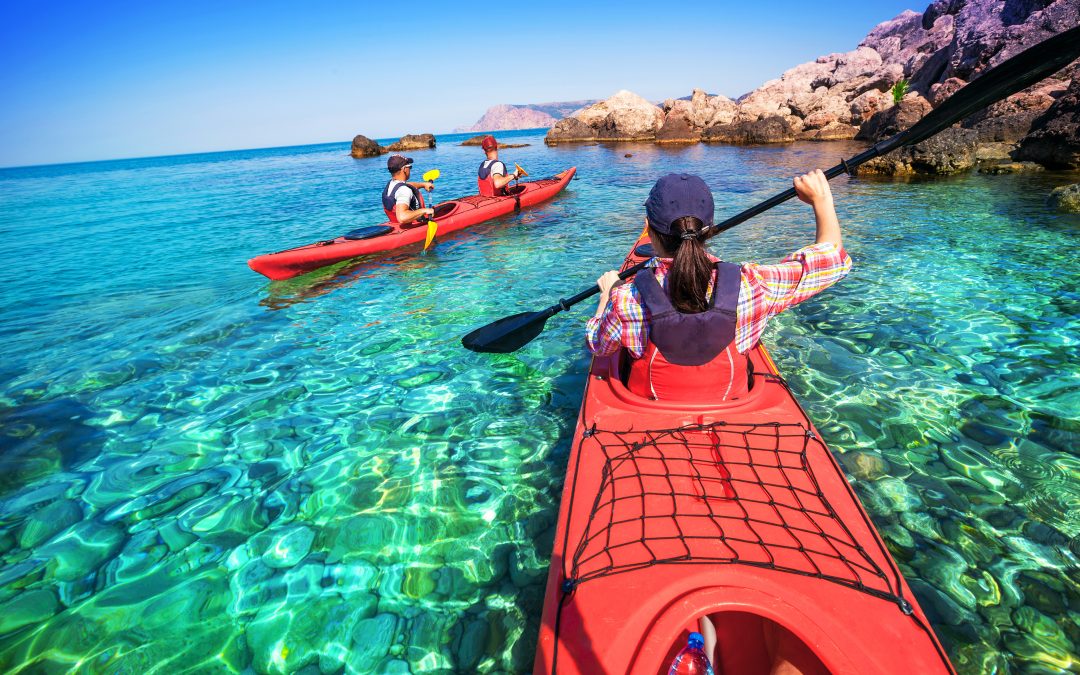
pixel 687 320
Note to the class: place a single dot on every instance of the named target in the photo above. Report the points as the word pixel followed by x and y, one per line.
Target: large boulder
pixel 1011 120
pixel 362 146
pixel 570 130
pixel 677 129
pixel 1066 198
pixel 413 142
pixel 623 117
pixel 767 129
pixel 833 131
pixel 1055 136
pixel 893 120
pixel 951 151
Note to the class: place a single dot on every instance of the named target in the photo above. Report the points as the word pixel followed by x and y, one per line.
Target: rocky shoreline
pixel 902 70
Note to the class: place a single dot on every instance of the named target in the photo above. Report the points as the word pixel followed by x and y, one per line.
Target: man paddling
pixel 492 177
pixel 401 199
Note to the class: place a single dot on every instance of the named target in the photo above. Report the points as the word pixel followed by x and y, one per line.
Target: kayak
pixel 450 216
pixel 736 511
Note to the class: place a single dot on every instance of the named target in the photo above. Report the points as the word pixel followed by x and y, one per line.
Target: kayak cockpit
pixel 750 644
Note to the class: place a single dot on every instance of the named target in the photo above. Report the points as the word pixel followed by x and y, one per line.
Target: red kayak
pixel 451 216
pixel 736 511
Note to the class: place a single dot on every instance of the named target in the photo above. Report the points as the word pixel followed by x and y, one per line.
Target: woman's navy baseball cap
pixel 677 195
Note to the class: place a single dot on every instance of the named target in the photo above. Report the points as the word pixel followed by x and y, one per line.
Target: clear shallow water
pixel 202 471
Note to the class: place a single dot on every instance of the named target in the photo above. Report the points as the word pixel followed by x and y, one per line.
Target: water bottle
pixel 691 660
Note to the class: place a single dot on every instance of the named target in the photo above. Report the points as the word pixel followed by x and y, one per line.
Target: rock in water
pixel 951 151
pixel 1011 167
pixel 1066 198
pixel 362 146
pixel 477 140
pixel 769 129
pixel 413 142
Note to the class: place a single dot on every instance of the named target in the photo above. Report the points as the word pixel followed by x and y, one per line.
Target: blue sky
pixel 87 81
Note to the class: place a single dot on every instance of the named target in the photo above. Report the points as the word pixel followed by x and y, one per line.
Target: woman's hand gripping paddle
pixel 432 226
pixel 1021 71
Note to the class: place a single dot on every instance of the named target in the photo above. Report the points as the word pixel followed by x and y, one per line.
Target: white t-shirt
pixel 403 196
pixel 497 167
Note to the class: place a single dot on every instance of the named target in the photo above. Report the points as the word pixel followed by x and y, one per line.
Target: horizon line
pixel 221 152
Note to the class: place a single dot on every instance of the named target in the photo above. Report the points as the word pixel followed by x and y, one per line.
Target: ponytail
pixel 691 269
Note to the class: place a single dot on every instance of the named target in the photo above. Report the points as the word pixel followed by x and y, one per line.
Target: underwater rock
pixel 289 547
pixel 372 639
pixel 1011 167
pixel 864 465
pixel 27 608
pixel 48 521
pixel 474 638
pixel 81 551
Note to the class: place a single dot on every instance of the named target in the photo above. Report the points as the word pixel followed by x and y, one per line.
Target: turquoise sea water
pixel 203 471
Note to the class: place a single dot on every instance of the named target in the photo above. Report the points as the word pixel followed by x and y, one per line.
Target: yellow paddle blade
pixel 521 172
pixel 431 175
pixel 431 227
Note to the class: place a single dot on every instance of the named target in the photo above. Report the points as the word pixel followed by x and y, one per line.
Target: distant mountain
pixel 530 116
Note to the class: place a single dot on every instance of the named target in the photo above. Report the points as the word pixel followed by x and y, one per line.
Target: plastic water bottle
pixel 691 660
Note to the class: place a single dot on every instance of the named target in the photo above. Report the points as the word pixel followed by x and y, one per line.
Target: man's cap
pixel 396 163
pixel 677 195
pixel 489 143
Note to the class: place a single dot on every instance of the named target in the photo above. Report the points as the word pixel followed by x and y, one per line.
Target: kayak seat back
pixel 625 361
pixel 445 209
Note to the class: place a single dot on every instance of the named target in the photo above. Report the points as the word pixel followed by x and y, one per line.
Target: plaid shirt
pixel 766 290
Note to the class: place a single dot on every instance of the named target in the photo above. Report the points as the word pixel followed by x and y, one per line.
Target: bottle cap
pixel 696 637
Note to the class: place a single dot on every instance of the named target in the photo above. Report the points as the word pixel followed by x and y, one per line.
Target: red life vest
pixel 390 202
pixel 691 356
pixel 485 182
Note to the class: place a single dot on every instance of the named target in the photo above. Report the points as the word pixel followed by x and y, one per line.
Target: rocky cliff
pixel 843 95
pixel 532 116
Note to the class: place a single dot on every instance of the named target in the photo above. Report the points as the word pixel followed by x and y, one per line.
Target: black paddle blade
pixel 506 335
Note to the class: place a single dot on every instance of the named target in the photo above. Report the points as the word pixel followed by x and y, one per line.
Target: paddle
pixel 1029 66
pixel 517 181
pixel 432 226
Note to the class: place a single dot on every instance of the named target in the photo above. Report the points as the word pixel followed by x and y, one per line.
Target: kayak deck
pixel 450 216
pixel 673 511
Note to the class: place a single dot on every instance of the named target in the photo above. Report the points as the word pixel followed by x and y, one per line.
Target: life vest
pixel 691 356
pixel 485 182
pixel 389 201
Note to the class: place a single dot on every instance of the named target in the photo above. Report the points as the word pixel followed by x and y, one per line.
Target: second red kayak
pixel 732 511
pixel 450 216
